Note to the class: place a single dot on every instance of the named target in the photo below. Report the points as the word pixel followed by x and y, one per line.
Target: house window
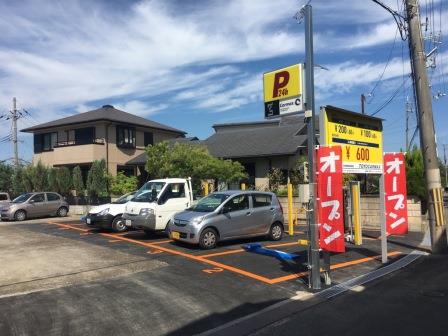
pixel 125 137
pixel 45 142
pixel 149 139
pixel 84 136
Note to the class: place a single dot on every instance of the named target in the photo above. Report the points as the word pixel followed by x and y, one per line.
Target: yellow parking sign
pixel 283 91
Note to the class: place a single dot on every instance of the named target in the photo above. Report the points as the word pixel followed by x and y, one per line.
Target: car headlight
pixel 103 212
pixel 146 211
pixel 197 220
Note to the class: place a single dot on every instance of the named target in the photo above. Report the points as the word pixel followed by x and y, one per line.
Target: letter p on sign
pixel 281 80
pixel 283 83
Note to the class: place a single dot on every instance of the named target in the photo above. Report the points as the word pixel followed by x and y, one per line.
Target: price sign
pixel 360 137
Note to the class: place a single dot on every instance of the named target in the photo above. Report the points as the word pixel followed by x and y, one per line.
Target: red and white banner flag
pixel 330 198
pixel 395 194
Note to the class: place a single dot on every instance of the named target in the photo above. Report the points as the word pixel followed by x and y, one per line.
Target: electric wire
pixel 391 98
pixel 371 93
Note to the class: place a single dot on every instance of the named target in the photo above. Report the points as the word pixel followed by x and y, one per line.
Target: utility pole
pixel 311 134
pixel 408 113
pixel 14 132
pixel 363 103
pixel 426 121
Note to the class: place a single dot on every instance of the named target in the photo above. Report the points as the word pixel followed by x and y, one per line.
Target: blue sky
pixel 190 64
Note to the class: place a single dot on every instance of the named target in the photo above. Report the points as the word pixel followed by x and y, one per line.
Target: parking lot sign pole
pixel 311 134
pixel 383 222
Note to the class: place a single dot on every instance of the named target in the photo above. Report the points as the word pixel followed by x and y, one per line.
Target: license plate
pixel 175 235
pixel 88 220
pixel 128 222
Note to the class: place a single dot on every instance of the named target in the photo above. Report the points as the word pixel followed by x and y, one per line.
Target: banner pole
pixel 383 221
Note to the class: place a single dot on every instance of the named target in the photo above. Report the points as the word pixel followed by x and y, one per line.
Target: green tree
pixel 39 177
pixel 78 184
pixel 28 177
pixel 415 180
pixel 297 173
pixel 122 184
pixel 186 160
pixel 17 181
pixel 159 162
pixel 64 180
pixel 52 179
pixel 275 177
pixel 6 172
pixel 97 179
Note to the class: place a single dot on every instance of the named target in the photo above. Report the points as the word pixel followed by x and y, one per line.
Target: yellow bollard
pixel 304 242
pixel 243 186
pixel 205 186
pixel 356 215
pixel 290 211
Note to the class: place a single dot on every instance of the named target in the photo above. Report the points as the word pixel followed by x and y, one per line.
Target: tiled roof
pixel 106 113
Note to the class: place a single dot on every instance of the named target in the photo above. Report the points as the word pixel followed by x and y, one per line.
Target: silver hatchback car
pixel 229 215
pixel 34 204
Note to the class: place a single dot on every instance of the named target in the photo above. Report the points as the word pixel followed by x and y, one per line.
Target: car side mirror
pixel 226 209
pixel 31 201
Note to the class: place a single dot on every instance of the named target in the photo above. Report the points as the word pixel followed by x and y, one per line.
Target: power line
pixel 391 98
pixel 371 93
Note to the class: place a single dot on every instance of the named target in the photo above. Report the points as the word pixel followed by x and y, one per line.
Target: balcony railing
pixel 98 141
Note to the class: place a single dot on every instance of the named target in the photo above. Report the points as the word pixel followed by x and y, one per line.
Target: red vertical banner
pixel 395 194
pixel 330 210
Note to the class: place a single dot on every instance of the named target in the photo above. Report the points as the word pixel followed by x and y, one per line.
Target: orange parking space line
pixel 162 241
pixel 221 253
pixel 237 270
pixel 288 277
pixel 336 266
pixel 204 259
pixel 69 226
pixel 193 257
pixel 362 260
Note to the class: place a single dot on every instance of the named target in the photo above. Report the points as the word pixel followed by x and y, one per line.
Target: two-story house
pixel 105 133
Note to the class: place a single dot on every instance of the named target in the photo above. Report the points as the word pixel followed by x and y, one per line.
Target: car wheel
pixel 276 231
pixel 208 239
pixel 118 224
pixel 20 215
pixel 62 212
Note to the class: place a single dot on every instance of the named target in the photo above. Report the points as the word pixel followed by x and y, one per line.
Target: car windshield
pixel 146 193
pixel 125 198
pixel 209 203
pixel 22 198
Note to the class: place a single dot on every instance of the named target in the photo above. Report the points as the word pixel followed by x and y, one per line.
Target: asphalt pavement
pixel 413 301
pixel 59 277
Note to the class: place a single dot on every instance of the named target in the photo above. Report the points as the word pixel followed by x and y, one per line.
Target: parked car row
pixel 34 204
pixel 167 205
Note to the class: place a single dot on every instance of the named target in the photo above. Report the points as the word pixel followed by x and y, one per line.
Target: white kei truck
pixel 156 202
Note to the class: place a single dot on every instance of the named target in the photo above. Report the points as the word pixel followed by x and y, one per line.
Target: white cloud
pixel 141 108
pixel 61 56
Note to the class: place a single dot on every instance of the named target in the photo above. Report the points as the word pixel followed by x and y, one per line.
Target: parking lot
pixel 61 277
